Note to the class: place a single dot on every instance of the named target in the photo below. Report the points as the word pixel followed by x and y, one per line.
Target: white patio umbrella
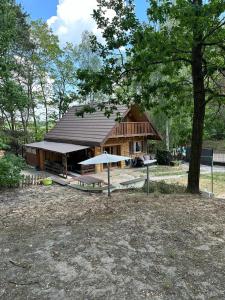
pixel 105 158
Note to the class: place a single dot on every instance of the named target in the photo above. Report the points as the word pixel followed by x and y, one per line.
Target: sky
pixel 69 18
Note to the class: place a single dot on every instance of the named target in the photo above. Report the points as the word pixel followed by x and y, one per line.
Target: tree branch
pixel 222 23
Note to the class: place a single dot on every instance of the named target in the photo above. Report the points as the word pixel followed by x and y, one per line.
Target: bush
pixel 163 157
pixel 4 146
pixel 164 188
pixel 10 169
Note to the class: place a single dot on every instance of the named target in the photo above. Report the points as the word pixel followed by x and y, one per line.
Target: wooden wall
pixel 32 159
pixel 124 144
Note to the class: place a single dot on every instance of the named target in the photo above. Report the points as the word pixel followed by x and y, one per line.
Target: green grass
pixel 218 177
pixel 170 173
pixel 205 183
pixel 166 171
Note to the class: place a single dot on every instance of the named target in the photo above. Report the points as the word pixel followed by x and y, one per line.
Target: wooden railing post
pixel 131 128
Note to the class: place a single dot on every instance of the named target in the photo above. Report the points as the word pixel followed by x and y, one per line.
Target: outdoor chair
pixel 139 161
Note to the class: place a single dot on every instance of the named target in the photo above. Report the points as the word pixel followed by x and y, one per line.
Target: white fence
pixel 219 157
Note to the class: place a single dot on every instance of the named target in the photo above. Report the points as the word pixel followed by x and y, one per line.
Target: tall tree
pixel 45 54
pixel 14 40
pixel 179 34
pixel 64 80
pixel 86 59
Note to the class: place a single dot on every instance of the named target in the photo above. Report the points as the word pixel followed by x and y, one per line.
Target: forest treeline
pixel 38 78
pixel 38 82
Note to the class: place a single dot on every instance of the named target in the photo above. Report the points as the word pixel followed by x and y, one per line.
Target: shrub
pixel 163 157
pixel 4 146
pixel 164 188
pixel 10 170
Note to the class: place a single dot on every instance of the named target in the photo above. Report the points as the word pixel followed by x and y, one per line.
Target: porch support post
pixel 66 165
pixel 41 159
pixel 108 166
pixel 99 167
pixel 147 179
pixel 124 151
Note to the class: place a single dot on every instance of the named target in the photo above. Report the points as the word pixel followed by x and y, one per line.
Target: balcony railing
pixel 132 129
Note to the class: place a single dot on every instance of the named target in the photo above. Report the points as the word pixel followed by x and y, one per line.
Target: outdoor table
pixel 86 179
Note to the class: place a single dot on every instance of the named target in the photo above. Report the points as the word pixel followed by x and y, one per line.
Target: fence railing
pixel 28 180
pixel 132 128
pixel 219 156
pixel 24 181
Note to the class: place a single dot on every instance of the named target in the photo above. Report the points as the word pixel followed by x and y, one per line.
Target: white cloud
pixel 73 17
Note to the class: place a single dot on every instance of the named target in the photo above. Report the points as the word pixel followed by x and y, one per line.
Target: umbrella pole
pixel 147 179
pixel 108 165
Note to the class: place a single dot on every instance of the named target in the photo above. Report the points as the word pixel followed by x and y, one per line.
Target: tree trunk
pixel 34 120
pixel 33 113
pixel 12 121
pixel 60 107
pixel 167 135
pixel 199 114
pixel 46 106
pixel 24 124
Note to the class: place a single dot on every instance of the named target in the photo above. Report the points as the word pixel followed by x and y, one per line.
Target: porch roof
pixel 56 147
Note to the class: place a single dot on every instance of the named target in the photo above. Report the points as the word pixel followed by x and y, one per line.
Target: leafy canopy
pixel 150 61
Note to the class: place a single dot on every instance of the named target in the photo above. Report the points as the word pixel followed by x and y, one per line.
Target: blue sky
pixel 69 18
pixel 47 8
pixel 39 8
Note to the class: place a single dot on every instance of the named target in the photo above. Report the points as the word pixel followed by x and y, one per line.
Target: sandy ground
pixel 58 243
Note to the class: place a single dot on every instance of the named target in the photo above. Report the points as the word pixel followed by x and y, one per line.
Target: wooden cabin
pixel 74 139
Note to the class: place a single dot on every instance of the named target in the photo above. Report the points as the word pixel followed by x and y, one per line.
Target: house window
pixel 138 146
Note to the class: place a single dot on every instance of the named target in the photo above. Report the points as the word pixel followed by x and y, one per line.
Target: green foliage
pixel 3 145
pixel 156 60
pixel 10 170
pixel 173 61
pixel 15 42
pixel 14 35
pixel 163 188
pixel 13 138
pixel 180 126
pixel 215 122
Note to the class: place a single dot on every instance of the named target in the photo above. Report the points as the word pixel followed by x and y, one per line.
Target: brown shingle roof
pixel 92 129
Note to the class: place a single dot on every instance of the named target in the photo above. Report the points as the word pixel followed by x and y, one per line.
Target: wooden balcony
pixel 132 129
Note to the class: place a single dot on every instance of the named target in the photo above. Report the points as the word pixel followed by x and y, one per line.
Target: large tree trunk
pixel 198 116
pixel 167 135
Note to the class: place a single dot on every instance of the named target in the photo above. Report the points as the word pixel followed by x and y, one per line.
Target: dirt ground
pixel 58 243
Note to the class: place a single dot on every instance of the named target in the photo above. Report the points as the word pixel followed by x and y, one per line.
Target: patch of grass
pixel 205 183
pixel 164 188
pixel 165 170
pixel 167 284
pixel 216 176
pixel 172 253
pixel 170 173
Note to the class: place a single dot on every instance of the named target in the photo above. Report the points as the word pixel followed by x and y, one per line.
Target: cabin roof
pixel 91 130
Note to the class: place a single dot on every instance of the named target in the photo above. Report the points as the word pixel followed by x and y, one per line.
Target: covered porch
pixel 58 158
